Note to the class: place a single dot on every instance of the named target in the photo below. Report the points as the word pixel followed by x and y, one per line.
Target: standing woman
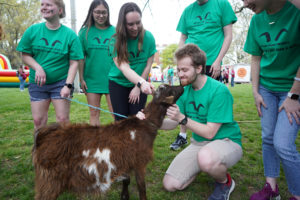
pixel 274 42
pixel 52 51
pixel 133 50
pixel 94 36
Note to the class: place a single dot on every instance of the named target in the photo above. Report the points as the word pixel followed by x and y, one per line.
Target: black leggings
pixel 119 96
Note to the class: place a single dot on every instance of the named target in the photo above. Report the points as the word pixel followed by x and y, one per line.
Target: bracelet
pixel 297 79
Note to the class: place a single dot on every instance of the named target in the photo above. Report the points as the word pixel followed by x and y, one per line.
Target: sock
pixel 183 135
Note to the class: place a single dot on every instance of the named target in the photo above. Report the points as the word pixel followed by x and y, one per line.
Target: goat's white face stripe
pixel 92 169
pixel 86 153
pixel 132 134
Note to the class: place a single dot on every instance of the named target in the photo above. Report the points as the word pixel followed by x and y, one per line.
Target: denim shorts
pixel 45 92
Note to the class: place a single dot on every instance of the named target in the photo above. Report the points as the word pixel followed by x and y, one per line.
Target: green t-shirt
pixel 97 59
pixel 204 24
pixel 52 49
pixel 137 60
pixel 276 38
pixel 213 103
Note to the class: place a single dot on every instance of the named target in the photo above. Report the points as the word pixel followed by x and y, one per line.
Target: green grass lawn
pixel 16 140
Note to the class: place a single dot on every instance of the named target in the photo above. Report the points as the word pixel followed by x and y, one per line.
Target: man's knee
pixel 171 184
pixel 206 163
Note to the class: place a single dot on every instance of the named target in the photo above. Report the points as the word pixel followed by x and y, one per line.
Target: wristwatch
pixel 184 121
pixel 69 85
pixel 139 84
pixel 293 96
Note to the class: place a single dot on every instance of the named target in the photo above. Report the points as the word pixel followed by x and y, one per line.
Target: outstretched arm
pixel 133 77
pixel 208 130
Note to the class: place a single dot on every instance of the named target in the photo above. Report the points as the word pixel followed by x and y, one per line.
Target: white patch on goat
pixel 105 157
pixel 132 134
pixel 92 168
pixel 86 153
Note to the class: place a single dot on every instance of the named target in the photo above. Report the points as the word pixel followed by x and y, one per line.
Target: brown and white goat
pixel 84 158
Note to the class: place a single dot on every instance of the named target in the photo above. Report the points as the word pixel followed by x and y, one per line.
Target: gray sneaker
pixel 179 142
pixel 222 191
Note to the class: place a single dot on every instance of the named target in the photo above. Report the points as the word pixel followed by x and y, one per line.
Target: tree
pixel 167 55
pixel 16 16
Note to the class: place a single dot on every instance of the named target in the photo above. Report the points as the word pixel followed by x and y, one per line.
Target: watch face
pixel 139 85
pixel 184 121
pixel 69 85
pixel 295 96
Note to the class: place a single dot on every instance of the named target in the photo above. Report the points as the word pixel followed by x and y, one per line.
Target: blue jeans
pixel 278 140
pixel 232 82
pixel 22 83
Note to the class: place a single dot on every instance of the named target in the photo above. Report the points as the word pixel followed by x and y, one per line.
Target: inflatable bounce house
pixel 8 76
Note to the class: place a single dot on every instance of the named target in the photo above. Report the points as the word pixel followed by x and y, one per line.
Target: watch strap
pixel 139 84
pixel 69 85
pixel 184 121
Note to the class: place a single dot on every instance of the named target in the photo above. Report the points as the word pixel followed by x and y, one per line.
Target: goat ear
pixel 169 100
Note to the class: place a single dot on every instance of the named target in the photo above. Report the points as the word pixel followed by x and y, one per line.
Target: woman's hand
pixel 147 87
pixel 140 115
pixel 259 101
pixel 292 109
pixel 215 69
pixel 134 96
pixel 40 76
pixel 65 92
pixel 83 86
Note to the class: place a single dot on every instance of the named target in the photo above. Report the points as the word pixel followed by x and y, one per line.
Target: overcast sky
pixel 160 17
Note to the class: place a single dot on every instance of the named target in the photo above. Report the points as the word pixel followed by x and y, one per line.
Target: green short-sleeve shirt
pixel 204 24
pixel 276 38
pixel 213 103
pixel 52 49
pixel 97 58
pixel 137 59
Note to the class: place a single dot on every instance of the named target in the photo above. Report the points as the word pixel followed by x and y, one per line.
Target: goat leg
pixel 140 180
pixel 125 193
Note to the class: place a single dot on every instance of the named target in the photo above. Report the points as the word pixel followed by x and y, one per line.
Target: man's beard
pixel 189 81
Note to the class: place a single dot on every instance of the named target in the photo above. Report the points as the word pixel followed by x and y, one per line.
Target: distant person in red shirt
pixel 232 73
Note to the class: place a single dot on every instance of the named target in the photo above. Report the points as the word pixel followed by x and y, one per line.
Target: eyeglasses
pixel 100 12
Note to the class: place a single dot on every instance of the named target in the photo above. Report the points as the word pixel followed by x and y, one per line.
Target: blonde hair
pixel 61 4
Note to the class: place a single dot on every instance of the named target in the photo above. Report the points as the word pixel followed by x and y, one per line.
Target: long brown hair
pixel 121 33
pixel 89 20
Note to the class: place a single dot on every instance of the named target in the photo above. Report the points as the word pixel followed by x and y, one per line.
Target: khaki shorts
pixel 185 165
